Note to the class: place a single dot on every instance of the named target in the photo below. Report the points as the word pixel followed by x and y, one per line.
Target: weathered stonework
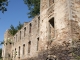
pixel 52 36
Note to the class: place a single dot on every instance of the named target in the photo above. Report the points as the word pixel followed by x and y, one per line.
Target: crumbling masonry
pixel 54 35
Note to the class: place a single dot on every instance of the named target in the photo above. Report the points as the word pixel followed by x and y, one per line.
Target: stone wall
pixel 6 51
pixel 28 33
pixel 52 36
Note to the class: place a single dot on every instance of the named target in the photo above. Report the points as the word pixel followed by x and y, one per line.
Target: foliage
pixel 0 52
pixel 2 42
pixel 9 41
pixel 3 4
pixel 19 26
pixel 15 53
pixel 34 7
pixel 76 56
pixel 76 51
pixel 0 58
pixel 13 30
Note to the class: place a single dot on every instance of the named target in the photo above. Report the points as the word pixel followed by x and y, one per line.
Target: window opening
pixel 20 34
pixel 51 28
pixel 23 49
pixel 24 31
pixel 16 38
pixel 37 43
pixel 30 25
pixel 29 46
pixel 19 51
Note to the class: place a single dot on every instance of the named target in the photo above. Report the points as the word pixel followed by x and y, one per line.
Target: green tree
pixel 34 7
pixel 13 30
pixel 19 26
pixel 2 42
pixel 3 4
pixel 0 52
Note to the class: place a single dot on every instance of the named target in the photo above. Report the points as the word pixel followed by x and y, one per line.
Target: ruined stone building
pixel 53 35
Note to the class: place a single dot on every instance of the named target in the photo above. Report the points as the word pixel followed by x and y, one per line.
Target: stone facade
pixel 21 41
pixel 52 36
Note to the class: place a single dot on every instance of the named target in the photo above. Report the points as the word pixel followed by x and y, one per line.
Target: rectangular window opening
pixel 30 25
pixel 20 34
pixel 37 43
pixel 24 31
pixel 15 52
pixel 23 49
pixel 51 28
pixel 16 38
pixel 19 51
pixel 29 46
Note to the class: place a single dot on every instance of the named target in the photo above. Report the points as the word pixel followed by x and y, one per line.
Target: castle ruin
pixel 53 35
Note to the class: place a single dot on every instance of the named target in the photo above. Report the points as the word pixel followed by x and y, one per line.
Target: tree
pixel 34 7
pixel 19 26
pixel 0 52
pixel 13 30
pixel 3 4
pixel 1 42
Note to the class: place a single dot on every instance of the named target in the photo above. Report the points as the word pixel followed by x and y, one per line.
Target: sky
pixel 16 11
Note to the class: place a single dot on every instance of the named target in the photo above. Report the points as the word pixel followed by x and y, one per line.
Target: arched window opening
pixel 30 25
pixel 29 46
pixel 24 31
pixel 37 43
pixel 20 34
pixel 23 49
pixel 19 51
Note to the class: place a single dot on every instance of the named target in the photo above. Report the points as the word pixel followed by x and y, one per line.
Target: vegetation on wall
pixel 34 7
pixel 0 52
pixel 13 30
pixel 76 49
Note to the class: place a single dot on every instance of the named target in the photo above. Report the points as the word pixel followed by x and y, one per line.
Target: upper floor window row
pixel 20 35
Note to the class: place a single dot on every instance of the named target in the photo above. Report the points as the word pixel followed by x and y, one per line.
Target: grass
pixel 0 58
